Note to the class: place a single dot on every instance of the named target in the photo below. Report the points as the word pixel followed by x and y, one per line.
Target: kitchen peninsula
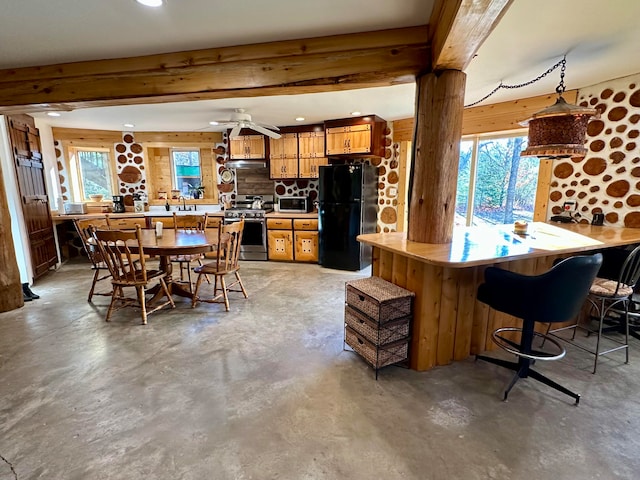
pixel 449 324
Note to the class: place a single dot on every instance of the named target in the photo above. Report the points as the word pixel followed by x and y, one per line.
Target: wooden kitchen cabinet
pixel 247 146
pixel 283 167
pixel 280 238
pixel 305 234
pixel 308 167
pixel 355 136
pixel 311 154
pixel 293 239
pixel 306 244
pixel 284 147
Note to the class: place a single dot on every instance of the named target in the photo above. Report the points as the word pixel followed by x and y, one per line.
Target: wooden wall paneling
pixel 209 174
pixel 480 317
pixel 415 283
pixel 386 265
pixel 431 292
pixel 506 116
pixel 86 137
pixel 399 272
pixel 403 130
pixel 542 190
pixel 158 171
pixel 465 317
pixel 404 162
pixel 448 315
pixel 375 262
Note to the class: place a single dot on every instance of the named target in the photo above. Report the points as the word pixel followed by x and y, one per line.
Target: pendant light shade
pixel 558 131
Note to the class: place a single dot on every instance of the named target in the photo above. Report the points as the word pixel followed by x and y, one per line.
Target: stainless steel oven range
pixel 254 238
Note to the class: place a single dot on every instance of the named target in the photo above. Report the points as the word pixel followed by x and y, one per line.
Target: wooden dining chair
pixel 213 222
pixel 188 223
pixel 226 262
pixel 116 250
pixel 100 269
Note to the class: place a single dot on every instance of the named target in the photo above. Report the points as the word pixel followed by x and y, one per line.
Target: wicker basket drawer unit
pixel 377 319
pixel 375 333
pixel 376 356
pixel 380 300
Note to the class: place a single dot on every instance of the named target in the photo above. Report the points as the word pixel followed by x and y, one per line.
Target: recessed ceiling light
pixel 214 123
pixel 151 3
pixel 53 114
pixel 355 113
pixel 128 125
pixel 299 119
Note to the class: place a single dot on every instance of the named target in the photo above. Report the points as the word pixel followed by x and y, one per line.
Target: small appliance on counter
pixel 118 204
pixel 71 208
pixel 295 204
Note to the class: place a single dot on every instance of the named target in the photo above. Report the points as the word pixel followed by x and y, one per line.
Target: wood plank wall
pixel 449 323
pixel 157 155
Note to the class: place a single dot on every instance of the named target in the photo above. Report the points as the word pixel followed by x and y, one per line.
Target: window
pixel 92 171
pixel 495 184
pixel 186 169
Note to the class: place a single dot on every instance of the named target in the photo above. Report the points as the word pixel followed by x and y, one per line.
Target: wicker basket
pixel 380 300
pixel 378 335
pixel 377 357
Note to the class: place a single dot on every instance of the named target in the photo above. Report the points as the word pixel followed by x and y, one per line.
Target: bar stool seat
pixel 535 298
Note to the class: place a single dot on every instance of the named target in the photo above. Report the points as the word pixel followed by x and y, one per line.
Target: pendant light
pixel 558 131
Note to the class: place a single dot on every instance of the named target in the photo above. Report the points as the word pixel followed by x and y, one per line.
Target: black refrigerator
pixel 348 207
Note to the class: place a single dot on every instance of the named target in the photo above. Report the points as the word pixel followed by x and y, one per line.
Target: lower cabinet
pixel 280 244
pixel 292 239
pixel 280 238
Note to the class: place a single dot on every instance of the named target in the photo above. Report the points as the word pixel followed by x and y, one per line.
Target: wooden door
pixel 280 244
pixel 25 141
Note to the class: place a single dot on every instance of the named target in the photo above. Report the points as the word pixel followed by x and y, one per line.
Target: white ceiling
pixel 599 38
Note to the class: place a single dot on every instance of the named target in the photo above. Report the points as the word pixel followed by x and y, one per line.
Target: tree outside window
pixel 495 184
pixel 186 170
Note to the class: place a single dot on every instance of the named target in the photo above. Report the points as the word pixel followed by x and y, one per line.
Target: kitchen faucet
pixel 184 204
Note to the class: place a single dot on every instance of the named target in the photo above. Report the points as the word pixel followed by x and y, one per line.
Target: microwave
pixel 294 204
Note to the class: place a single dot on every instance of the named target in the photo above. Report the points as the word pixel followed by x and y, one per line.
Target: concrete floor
pixel 267 392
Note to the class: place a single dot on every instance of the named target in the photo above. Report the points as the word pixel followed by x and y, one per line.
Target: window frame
pixel 476 139
pixel 174 173
pixel 76 179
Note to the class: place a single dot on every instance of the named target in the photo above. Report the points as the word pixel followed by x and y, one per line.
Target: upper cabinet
pixel 247 146
pixel 298 153
pixel 311 154
pixel 359 136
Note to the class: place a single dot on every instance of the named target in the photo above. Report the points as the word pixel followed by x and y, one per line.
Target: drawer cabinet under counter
pixel 293 239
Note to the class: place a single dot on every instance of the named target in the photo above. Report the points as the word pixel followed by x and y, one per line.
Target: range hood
pixel 246 164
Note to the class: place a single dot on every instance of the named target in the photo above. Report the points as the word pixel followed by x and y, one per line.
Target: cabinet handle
pixel 361 297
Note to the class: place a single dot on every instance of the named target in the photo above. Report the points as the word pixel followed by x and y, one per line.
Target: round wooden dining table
pixel 177 242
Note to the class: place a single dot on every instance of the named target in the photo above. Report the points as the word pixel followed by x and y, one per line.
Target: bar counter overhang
pixel 449 323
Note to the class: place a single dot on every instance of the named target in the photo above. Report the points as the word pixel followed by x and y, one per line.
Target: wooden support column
pixel 10 286
pixel 436 151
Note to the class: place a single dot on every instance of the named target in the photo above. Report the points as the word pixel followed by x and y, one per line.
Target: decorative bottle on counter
pixel 167 207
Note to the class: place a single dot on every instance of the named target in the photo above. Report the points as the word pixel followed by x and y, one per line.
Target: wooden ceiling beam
pixel 320 64
pixel 461 26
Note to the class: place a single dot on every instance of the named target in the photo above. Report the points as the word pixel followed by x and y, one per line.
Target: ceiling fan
pixel 240 119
